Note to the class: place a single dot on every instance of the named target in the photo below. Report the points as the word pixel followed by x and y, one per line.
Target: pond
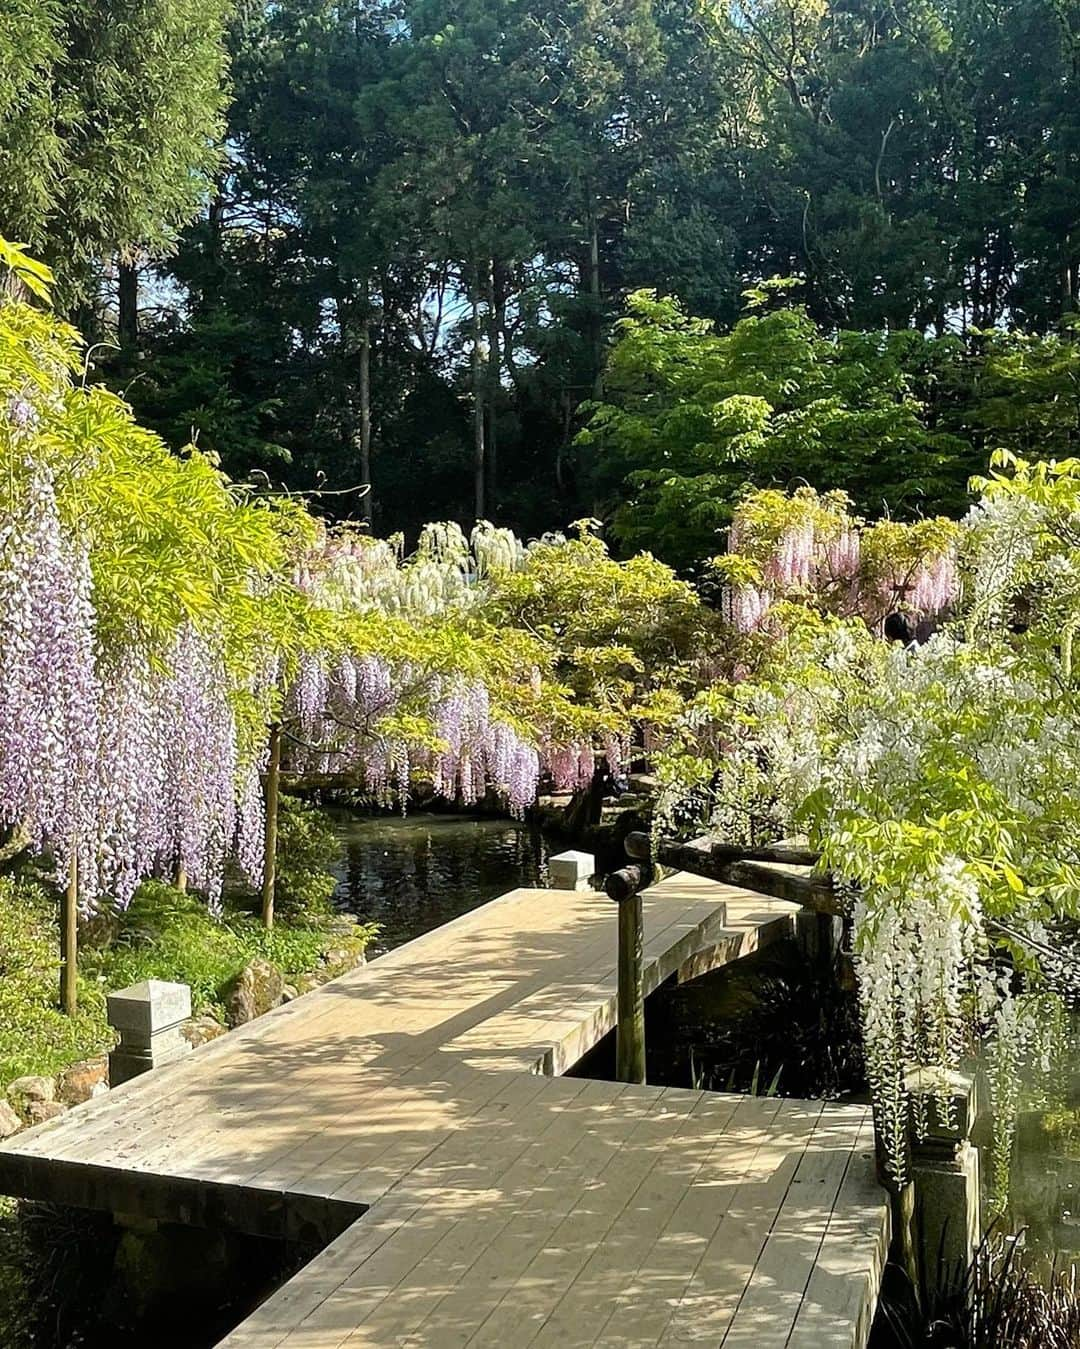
pixel 411 874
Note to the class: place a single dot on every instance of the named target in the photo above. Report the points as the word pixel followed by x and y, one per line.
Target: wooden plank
pixel 838 1307
pixel 770 1303
pixel 747 1211
pixel 506 1205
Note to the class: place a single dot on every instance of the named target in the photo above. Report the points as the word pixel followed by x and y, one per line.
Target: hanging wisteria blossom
pixel 49 690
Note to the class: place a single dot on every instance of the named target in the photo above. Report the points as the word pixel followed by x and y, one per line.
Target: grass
pixel 35 1037
pixel 163 935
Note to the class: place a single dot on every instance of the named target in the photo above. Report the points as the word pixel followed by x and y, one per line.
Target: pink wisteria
pixel 822 553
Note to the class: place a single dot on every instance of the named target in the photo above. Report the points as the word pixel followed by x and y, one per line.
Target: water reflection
pixel 413 874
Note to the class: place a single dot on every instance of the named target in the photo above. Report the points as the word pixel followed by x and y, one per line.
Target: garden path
pixel 414 1111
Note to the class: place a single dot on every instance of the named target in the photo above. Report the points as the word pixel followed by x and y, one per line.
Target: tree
pixel 692 414
pixel 109 125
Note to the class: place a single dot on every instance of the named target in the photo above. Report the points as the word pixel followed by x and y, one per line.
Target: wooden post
pixel 69 939
pixel 630 1027
pixel 273 782
pixel 180 878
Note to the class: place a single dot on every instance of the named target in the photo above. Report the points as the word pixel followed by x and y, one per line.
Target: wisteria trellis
pixel 130 761
pixel 820 549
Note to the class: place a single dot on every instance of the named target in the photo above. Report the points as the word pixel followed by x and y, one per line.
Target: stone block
pixel 951 1107
pixel 571 870
pixel 145 1009
pixel 150 1018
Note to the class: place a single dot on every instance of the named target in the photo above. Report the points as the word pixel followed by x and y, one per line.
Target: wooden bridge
pixel 413 1112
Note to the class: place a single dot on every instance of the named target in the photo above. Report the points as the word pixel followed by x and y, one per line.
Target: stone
pixel 255 990
pixel 289 993
pixel 202 1029
pixel 37 1112
pixel 145 1009
pixel 571 870
pixel 82 1081
pixel 10 1123
pixel 149 1017
pixel 26 1089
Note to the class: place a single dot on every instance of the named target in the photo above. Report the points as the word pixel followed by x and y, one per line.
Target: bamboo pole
pixel 273 782
pixel 69 939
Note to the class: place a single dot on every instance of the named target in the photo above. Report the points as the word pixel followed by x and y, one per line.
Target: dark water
pixel 415 873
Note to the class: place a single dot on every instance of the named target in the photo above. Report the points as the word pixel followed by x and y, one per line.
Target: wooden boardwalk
pixel 414 1108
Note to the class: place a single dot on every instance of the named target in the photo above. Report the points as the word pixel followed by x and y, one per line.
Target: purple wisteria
pixel 337 714
pixel 166 775
pixel 129 764
pixel 49 690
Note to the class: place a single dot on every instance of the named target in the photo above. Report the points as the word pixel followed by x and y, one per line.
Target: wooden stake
pixel 273 780
pixel 69 940
pixel 630 1028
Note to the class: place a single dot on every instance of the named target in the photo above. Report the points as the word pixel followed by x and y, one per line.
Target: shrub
pixel 308 848
pixel 998 1302
pixel 166 934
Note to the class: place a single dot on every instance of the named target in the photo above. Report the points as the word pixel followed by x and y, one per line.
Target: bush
pixel 308 848
pixel 998 1302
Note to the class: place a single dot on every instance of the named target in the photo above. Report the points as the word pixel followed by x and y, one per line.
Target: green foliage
pixel 307 849
pixel 623 636
pixel 691 415
pixel 109 120
pixel 163 935
pixel 169 935
pixel 171 541
pixel 35 1037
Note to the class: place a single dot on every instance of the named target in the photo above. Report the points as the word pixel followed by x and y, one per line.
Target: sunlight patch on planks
pixel 505 1203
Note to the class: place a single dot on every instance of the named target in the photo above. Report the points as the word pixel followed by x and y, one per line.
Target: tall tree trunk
pixel 128 322
pixel 364 379
pixel 596 318
pixel 273 783
pixel 494 380
pixel 479 450
pixel 69 940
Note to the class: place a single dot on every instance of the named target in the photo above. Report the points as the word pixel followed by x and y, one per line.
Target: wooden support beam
pixel 767 878
pixel 629 880
pixel 69 939
pixel 786 854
